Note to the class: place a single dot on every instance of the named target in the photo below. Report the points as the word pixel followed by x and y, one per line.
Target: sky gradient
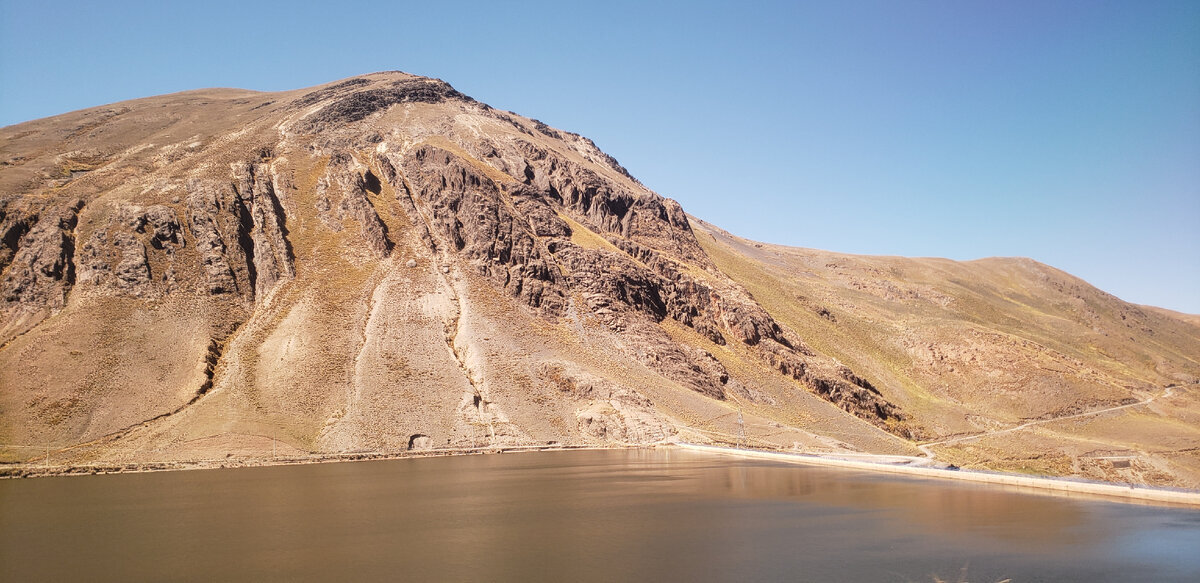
pixel 1068 132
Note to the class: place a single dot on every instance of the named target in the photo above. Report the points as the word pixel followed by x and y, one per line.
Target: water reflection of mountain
pixel 930 505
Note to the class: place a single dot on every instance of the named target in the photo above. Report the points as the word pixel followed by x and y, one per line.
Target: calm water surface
pixel 575 516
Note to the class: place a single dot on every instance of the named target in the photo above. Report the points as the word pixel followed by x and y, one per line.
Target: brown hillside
pixel 385 264
pixel 974 347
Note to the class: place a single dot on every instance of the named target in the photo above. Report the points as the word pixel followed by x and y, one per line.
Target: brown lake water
pixel 662 515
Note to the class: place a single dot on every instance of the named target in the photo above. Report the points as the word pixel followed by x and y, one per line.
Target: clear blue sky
pixel 1064 131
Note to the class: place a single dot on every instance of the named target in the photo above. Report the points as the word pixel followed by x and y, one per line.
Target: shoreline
pixel 1046 485
pixel 1128 493
pixel 20 471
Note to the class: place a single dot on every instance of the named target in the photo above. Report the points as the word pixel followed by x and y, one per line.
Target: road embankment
pixel 1124 492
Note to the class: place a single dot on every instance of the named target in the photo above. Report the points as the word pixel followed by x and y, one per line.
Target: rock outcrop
pixel 240 232
pixel 506 208
pixel 205 207
pixel 37 260
pixel 342 106
pixel 262 220
pixel 344 193
pixel 512 231
pixel 115 256
pixel 469 214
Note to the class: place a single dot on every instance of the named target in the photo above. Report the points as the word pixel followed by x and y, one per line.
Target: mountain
pixel 385 264
pixel 975 348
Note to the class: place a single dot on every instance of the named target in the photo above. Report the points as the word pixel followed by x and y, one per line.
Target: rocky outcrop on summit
pixel 358 103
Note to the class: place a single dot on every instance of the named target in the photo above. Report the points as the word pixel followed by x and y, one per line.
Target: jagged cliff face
pixel 379 263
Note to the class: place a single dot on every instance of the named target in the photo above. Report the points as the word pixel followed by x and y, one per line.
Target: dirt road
pixel 1167 392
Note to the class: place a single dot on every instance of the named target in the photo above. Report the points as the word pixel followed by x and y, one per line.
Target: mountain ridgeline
pixel 386 264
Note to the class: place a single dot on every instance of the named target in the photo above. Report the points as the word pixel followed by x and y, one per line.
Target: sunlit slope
pixel 980 346
pixel 383 264
pixel 378 264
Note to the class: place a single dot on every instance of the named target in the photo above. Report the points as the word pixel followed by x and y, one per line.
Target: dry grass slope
pixel 977 347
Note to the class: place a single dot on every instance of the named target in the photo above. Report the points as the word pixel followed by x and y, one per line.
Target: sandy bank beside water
pixel 1124 492
pixel 1070 488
